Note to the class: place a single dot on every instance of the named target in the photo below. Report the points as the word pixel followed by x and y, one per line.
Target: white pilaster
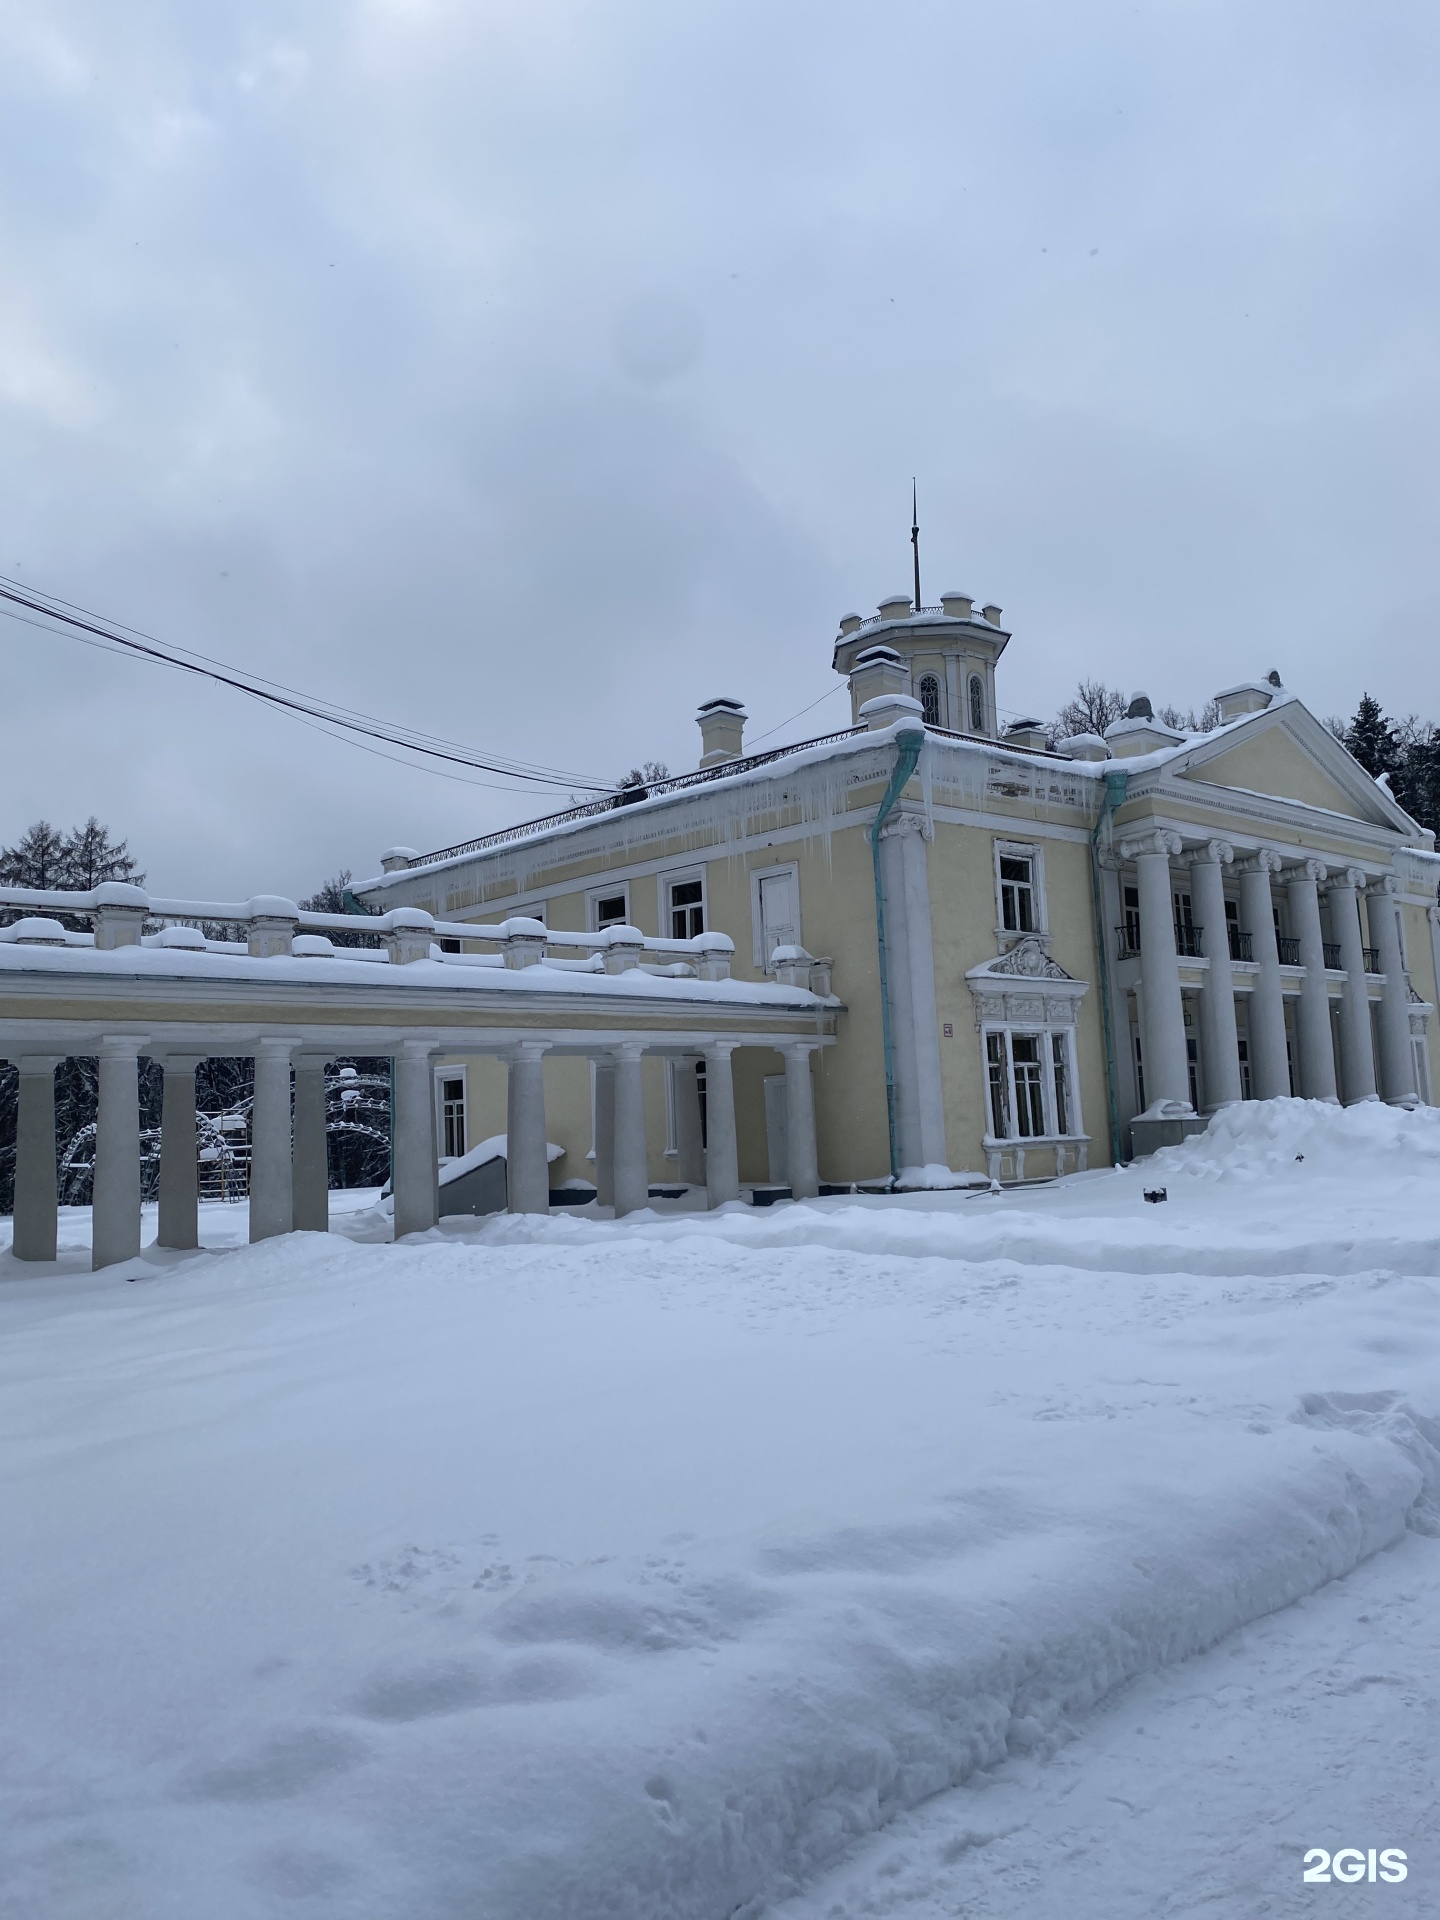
pixel 1357 1048
pixel 722 1165
pixel 414 1162
pixel 1219 1048
pixel 272 1186
pixel 803 1172
pixel 605 1131
pixel 115 1212
pixel 1269 1062
pixel 1312 1016
pixel 632 1168
pixel 690 1145
pixel 37 1209
pixel 1397 1067
pixel 179 1156
pixel 526 1142
pixel 1167 1070
pixel 312 1162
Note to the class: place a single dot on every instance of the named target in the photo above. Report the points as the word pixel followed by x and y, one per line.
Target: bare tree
pixel 1091 709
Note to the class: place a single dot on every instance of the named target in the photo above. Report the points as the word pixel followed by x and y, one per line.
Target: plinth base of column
pixel 1147 1136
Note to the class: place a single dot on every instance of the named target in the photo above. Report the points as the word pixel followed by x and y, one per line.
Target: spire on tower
pixel 915 537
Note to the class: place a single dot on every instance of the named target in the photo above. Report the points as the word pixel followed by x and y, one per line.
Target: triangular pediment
pixel 1286 754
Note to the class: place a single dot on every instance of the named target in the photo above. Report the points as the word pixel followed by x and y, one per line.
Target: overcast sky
pixel 531 372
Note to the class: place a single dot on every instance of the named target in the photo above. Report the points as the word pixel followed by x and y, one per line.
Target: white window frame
pixel 937 674
pixel 593 897
pixel 680 877
pixel 530 910
pixel 970 726
pixel 757 923
pixel 1046 1034
pixel 1022 850
pixel 442 1074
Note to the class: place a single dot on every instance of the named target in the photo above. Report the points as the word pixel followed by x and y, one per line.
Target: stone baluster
pixel 1269 1061
pixel 272 1183
pixel 1167 1069
pixel 179 1154
pixel 1357 1048
pixel 1312 1016
pixel 722 1166
pixel 800 1152
pixel 311 1157
pixel 690 1157
pixel 271 926
pixel 1397 1064
pixel 527 1164
pixel 115 1209
pixel 632 1170
pixel 1219 1048
pixel 37 1209
pixel 119 915
pixel 413 1159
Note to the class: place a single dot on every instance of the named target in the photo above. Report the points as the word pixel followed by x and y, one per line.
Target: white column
pixel 311 1157
pixel 1357 1047
pixel 1269 1062
pixel 527 1166
pixel 722 1163
pixel 690 1157
pixel 804 1178
pixel 1219 1049
pixel 179 1155
pixel 37 1208
pixel 914 1021
pixel 413 1159
pixel 632 1170
pixel 1397 1065
pixel 272 1189
pixel 1167 1069
pixel 115 1212
pixel 605 1131
pixel 1312 1016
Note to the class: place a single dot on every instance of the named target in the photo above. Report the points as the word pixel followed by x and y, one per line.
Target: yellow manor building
pixel 1032 959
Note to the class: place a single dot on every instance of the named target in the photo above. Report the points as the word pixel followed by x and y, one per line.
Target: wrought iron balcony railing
pixel 1187 942
pixel 1127 941
pixel 1239 944
pixel 1333 962
pixel 1372 959
pixel 1288 949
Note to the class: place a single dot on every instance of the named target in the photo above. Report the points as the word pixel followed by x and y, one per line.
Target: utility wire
pixel 275 693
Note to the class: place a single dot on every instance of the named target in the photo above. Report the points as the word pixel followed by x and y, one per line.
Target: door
pixel 779 914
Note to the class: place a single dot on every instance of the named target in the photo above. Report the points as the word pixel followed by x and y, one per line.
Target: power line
pixel 132 640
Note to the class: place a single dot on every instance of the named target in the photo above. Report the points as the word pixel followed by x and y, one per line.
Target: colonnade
pixel 289 1184
pixel 1163 1039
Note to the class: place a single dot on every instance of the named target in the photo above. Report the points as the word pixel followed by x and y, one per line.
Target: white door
pixel 775 1129
pixel 779 914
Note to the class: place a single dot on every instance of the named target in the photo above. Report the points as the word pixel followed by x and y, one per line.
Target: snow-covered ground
pixel 1045 1553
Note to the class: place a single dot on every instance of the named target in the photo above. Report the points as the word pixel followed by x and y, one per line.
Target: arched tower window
pixel 930 699
pixel 977 704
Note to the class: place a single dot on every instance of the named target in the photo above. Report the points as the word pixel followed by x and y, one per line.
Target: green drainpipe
pixel 908 744
pixel 1115 784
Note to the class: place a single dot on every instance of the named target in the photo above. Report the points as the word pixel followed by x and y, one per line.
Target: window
pixel 609 910
pixel 687 908
pixel 929 691
pixel 1017 893
pixel 452 1115
pixel 775 911
pixel 1139 1071
pixel 1029 1094
pixel 1132 921
pixel 1192 1062
pixel 1243 1048
pixel 977 704
pixel 999 1087
pixel 1060 1061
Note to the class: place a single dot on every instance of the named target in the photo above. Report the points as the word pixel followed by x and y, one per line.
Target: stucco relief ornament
pixel 1028 957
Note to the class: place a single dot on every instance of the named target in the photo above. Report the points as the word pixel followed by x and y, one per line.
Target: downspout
pixel 908 743
pixel 1115 784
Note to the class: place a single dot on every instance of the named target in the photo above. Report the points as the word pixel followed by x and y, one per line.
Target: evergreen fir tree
pixel 39 858
pixel 92 857
pixel 1371 738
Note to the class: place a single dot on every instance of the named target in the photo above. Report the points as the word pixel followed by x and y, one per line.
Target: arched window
pixel 930 699
pixel 977 704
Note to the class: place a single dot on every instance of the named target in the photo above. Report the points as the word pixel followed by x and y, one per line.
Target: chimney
pixel 722 731
pixel 991 613
pixel 959 606
pixel 850 623
pixel 1027 733
pixel 878 671
pixel 396 859
pixel 1251 696
pixel 897 606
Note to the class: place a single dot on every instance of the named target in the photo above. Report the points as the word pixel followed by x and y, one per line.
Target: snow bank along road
pixel 555 1570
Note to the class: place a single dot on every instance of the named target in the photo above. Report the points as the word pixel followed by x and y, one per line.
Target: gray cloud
pixel 529 373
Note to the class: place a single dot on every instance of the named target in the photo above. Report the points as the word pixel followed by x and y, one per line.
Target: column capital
pixel 1211 853
pixel 628 1050
pixel 805 1047
pixel 1161 841
pixel 520 1050
pixel 1263 860
pixel 273 1044
pixel 120 1045
pixel 419 1047
pixel 1387 883
pixel 1351 877
pixel 1307 869
pixel 721 1047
